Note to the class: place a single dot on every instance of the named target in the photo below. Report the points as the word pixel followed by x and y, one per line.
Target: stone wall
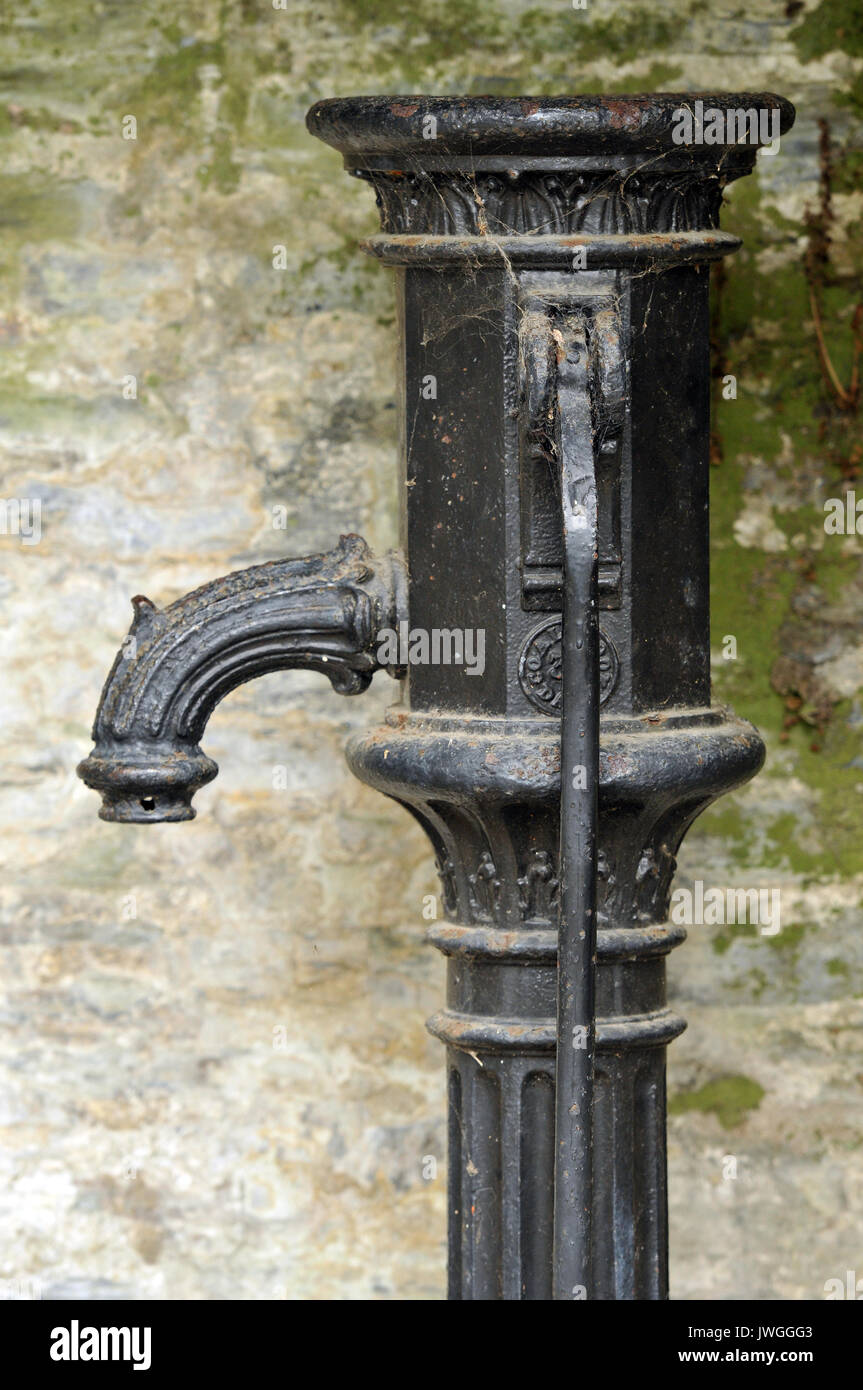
pixel 216 1079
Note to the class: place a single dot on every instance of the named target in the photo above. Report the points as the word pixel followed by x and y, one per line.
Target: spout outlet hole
pixel 148 803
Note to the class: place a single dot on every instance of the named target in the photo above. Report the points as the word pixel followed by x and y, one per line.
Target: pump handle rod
pixel 579 775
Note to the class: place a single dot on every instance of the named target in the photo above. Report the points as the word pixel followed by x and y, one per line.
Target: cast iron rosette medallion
pixel 540 667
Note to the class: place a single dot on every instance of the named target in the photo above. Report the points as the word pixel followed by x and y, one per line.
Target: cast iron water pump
pixel 552 261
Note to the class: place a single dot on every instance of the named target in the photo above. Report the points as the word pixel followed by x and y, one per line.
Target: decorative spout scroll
pixel 320 612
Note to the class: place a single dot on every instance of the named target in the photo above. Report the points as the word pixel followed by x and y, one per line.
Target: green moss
pixel 757 983
pixel 33 209
pixel 173 78
pixel 780 399
pixel 726 821
pixel 476 39
pixel 840 804
pixel 624 37
pixel 734 931
pixel 729 1098
pixel 788 939
pixel 834 26
pixel 848 175
pixel 835 966
pixel 782 848
pixel 661 77
pixel 221 169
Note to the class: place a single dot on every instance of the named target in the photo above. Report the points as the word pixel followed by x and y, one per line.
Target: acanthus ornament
pixel 537 203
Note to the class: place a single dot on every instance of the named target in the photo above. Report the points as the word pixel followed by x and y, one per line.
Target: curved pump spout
pixel 321 612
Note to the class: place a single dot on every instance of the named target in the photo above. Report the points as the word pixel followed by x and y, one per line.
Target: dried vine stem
pixel 818 273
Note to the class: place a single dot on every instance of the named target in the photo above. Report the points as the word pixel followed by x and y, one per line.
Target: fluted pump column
pixel 552 261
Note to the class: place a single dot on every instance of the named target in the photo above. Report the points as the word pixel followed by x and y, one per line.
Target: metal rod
pixel 579 771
